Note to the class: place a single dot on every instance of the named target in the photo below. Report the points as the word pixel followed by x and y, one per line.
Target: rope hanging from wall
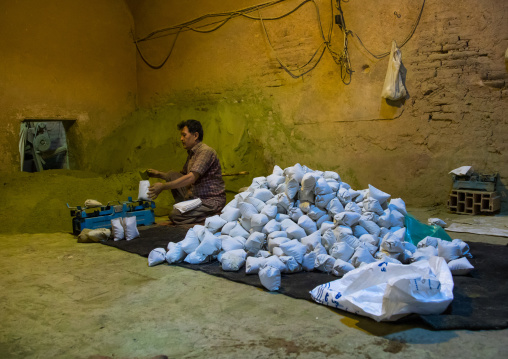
pixel 341 58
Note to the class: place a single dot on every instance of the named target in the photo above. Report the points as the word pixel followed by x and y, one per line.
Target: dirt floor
pixel 62 299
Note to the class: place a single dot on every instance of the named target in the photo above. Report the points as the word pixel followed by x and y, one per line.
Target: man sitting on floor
pixel 201 177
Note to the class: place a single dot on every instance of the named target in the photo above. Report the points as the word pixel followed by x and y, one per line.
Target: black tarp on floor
pixel 479 298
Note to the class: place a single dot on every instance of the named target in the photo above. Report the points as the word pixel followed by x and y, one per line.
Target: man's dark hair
pixel 193 126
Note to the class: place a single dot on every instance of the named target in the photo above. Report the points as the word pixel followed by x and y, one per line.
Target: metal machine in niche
pixel 43 145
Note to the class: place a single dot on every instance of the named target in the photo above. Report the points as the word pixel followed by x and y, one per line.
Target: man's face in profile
pixel 188 139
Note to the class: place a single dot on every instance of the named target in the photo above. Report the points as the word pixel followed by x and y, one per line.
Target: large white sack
pixel 231 204
pixel 200 231
pixel 254 264
pixel 210 245
pixel 429 242
pixel 274 180
pixel 322 187
pixel 396 218
pixel 156 256
pixel 214 223
pixel 464 247
pixel 410 247
pixel 229 243
pixel 195 258
pixel 275 262
pixel 372 205
pixel 238 231
pixel 387 291
pixel 258 221
pixel 283 202
pixel 143 191
pixel 324 263
pixel 343 195
pixel 322 200
pixel 130 227
pixel 292 187
pixel 309 261
pixel 263 194
pixel 371 227
pixel 281 217
pixel 351 240
pixel 373 240
pixel 117 229
pixel 460 266
pixel 334 185
pixel 361 255
pixel 342 250
pixel 232 261
pixel 398 204
pixel 190 242
pixel 335 207
pixel 315 212
pixel 449 250
pixel 424 253
pixel 370 216
pixel 328 239
pixel 295 231
pixel 270 211
pixel 305 206
pixel 255 242
pixel 378 194
pixel 175 253
pixel 230 214
pixel 276 242
pixel 319 249
pixel 247 210
pixel 278 171
pixel 257 203
pixel 353 207
pixel 342 231
pixel 323 219
pixel 340 268
pixel 309 181
pixel 326 225
pixel 307 224
pixel 277 251
pixel 331 175
pixel 294 249
pixel 264 254
pixel 271 226
pixel 292 266
pixel 394 241
pixel 297 172
pixel 285 224
pixel 385 219
pixel 270 278
pixel 347 218
pixel 228 227
pixel 312 239
pixel 277 234
pixel 295 214
pixel 359 231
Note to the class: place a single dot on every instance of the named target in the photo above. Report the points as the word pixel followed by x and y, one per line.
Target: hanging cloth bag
pixel 393 88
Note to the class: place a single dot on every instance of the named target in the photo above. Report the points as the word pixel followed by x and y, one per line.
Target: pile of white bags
pixel 300 219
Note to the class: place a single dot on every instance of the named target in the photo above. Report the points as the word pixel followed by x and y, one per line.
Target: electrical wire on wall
pixel 341 58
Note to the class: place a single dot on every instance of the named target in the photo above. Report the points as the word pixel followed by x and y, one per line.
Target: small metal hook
pixel 397 14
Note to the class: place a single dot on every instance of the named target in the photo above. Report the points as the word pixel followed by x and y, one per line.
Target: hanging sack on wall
pixel 393 88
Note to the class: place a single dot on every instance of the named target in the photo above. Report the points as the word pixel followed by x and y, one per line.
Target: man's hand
pixel 154 173
pixel 155 189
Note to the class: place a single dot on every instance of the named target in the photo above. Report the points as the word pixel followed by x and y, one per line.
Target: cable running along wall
pixel 341 58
